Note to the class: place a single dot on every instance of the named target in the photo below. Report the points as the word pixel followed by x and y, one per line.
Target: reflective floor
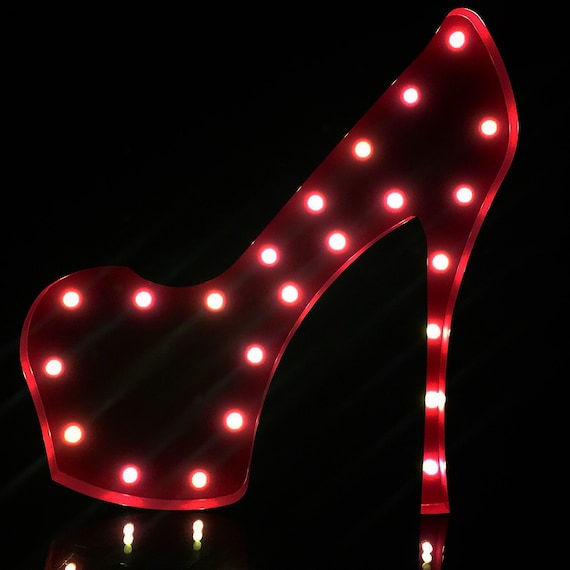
pixel 165 143
pixel 193 540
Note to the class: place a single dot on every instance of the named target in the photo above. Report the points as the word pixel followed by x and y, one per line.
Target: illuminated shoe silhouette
pixel 150 395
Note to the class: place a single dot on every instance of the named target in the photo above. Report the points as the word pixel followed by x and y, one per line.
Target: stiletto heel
pixel 198 360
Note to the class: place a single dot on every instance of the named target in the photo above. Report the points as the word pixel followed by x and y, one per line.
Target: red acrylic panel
pixel 150 395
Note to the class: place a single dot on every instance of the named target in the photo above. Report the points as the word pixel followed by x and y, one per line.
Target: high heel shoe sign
pixel 150 396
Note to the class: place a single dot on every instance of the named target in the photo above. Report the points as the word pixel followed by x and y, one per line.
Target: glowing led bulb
pixel 456 40
pixel 215 300
pixel 289 293
pixel 430 467
pixel 73 434
pixel 269 255
pixel 489 127
pixel 440 262
pixel 130 475
pixel 362 149
pixel 255 354
pixel 464 194
pixel 435 400
pixel 53 367
pixel 433 331
pixel 234 420
pixel 71 299
pixel 394 199
pixel 199 479
pixel 410 96
pixel 337 241
pixel 143 299
pixel 315 202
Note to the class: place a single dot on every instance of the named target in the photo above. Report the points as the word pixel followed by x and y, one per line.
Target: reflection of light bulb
pixel 198 525
pixel 70 566
pixel 197 534
pixel 427 546
pixel 128 537
pixel 129 528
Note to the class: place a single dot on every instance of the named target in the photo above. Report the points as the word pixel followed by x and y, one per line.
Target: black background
pixel 165 140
